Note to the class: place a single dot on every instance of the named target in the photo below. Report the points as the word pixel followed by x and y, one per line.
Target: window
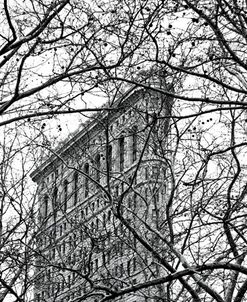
pixel 103 258
pixel 58 287
pixel 155 214
pixel 109 157
pixel 128 266
pixel 147 117
pixel 108 256
pixel 117 191
pixel 155 195
pixel 97 168
pixel 129 203
pixel 79 291
pixel 121 269
pixel 62 285
pixel 45 206
pixel 52 290
pixel 135 206
pixel 54 199
pixel 155 172
pixel 75 187
pixel 121 153
pixel 69 259
pixel 53 253
pixel 116 271
pixel 164 190
pixel 119 247
pixel 65 195
pixel 146 195
pixel 48 291
pixel 122 187
pixel 38 297
pixel 134 144
pixel 134 242
pixel 109 215
pixel 69 281
pixel 146 173
pixel 86 183
pixel 70 242
pixel 121 228
pixel 48 274
pixel 134 264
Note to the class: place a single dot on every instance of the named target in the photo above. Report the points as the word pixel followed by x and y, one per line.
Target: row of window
pixel 97 174
pixel 64 205
pixel 109 247
pixel 56 291
pixel 99 223
pixel 51 289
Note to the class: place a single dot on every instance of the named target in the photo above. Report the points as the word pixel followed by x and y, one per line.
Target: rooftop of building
pixel 98 114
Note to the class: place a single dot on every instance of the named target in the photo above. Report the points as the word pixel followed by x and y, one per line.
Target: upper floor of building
pixel 118 148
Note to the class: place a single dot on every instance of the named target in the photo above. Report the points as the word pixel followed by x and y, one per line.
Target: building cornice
pixel 87 127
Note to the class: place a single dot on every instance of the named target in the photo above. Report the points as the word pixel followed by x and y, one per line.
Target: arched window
pixel 134 143
pixel 97 167
pixel 65 195
pixel 75 180
pixel 45 206
pixel 121 153
pixel 54 199
pixel 86 183
pixel 55 202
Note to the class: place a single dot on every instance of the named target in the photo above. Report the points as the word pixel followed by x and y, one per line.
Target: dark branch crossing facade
pixel 101 195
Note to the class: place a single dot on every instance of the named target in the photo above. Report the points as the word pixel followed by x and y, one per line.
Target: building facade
pixel 101 201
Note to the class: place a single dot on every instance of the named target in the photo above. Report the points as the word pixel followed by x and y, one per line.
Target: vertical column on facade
pixel 44 208
pixel 129 143
pixel 117 154
pixel 115 163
